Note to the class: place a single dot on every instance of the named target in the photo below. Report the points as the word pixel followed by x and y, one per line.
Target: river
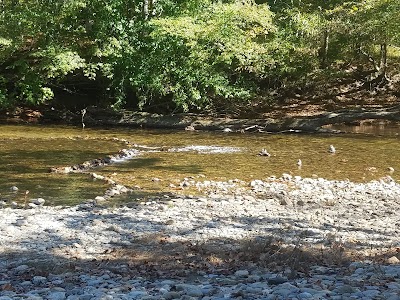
pixel 27 152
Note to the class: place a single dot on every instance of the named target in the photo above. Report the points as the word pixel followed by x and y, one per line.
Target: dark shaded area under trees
pixel 229 57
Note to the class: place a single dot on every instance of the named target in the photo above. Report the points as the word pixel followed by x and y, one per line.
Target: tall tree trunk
pixel 148 8
pixel 323 51
pixel 383 60
pixel 377 78
pixel 145 9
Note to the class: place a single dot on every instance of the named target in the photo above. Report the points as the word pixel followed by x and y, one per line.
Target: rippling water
pixel 27 153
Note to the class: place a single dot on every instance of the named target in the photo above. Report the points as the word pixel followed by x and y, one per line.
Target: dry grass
pixel 156 255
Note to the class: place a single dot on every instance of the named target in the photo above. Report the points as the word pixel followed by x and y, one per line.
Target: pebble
pixel 56 296
pixel 38 201
pixel 241 273
pixel 275 213
pixel 393 260
pixel 38 280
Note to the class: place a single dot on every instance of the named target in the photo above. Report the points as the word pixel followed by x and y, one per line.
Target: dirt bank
pixel 307 109
pixel 103 117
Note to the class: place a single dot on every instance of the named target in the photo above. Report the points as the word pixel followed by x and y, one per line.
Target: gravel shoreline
pixel 281 238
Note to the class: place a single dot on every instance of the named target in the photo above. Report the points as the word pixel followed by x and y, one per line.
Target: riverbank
pixel 322 102
pixel 287 120
pixel 282 238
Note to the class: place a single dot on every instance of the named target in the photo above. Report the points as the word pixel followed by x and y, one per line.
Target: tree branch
pixel 370 59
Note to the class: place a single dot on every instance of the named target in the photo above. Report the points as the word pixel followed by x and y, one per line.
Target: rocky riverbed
pixel 278 238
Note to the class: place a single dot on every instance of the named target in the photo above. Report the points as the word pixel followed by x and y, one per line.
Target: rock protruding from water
pixel 121 156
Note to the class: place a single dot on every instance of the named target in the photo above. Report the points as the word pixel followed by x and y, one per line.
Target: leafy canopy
pixel 180 54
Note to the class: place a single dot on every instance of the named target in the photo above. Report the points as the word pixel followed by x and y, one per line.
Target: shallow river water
pixel 28 152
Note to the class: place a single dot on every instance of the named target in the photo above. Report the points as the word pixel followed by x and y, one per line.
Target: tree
pixel 377 27
pixel 36 49
pixel 341 30
pixel 197 58
pixel 183 54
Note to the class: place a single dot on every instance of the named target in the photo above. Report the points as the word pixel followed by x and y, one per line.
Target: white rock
pixel 100 198
pixel 39 280
pixel 242 273
pixel 393 260
pixel 38 201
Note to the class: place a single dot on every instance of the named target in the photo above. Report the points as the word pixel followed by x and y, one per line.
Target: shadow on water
pixel 26 164
pixel 142 165
pixel 41 160
pixel 370 128
pixel 155 163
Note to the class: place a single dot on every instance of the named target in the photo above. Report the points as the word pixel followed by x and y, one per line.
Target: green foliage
pixel 3 92
pixel 375 22
pixel 215 54
pixel 186 54
pixel 34 50
pixel 60 64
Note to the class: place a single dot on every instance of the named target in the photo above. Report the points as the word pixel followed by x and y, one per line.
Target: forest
pixel 199 56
